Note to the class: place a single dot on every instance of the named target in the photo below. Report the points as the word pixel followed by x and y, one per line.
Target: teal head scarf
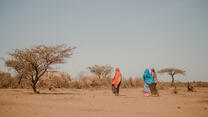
pixel 147 77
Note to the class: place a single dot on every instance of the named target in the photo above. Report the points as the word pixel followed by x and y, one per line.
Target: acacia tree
pixel 34 62
pixel 172 72
pixel 101 71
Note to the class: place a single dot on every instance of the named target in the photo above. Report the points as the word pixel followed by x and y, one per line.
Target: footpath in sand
pixel 102 103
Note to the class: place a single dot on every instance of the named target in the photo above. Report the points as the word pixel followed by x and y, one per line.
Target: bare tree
pixel 172 72
pixel 34 62
pixel 101 71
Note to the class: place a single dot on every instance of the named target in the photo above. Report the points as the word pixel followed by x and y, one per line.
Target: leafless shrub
pixel 54 82
pixel 200 84
pixel 163 85
pixel 75 84
pixel 132 83
pixel 106 82
pixel 86 82
pixel 5 80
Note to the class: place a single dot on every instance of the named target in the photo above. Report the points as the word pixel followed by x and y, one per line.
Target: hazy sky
pixel 129 34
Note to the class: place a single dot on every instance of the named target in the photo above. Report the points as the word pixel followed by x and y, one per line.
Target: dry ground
pixel 102 103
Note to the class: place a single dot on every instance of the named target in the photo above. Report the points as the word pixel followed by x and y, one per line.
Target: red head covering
pixel 117 69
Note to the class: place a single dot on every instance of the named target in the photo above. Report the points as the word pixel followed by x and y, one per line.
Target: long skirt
pixel 146 91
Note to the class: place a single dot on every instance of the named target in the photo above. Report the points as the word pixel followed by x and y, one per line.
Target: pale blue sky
pixel 129 34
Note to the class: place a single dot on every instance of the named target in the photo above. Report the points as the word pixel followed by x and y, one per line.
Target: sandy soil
pixel 102 103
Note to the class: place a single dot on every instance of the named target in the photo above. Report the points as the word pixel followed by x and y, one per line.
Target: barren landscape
pixel 102 103
pixel 103 58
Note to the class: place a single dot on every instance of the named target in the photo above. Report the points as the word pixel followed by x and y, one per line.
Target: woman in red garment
pixel 116 81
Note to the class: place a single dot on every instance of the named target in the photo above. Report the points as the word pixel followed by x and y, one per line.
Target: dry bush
pixel 55 82
pixel 44 82
pixel 167 85
pixel 60 82
pixel 5 80
pixel 90 82
pixel 163 85
pixel 132 83
pixel 199 84
pixel 126 83
pixel 106 82
pixel 139 82
pixel 181 84
pixel 75 84
pixel 25 83
pixel 85 82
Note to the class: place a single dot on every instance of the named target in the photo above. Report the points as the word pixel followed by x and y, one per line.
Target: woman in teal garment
pixel 148 79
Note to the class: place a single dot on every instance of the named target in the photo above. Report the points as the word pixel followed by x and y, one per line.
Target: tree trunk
pixel 172 83
pixel 34 88
pixel 99 77
pixel 20 79
pixel 34 82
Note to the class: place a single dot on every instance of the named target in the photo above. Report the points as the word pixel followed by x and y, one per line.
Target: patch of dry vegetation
pixel 85 82
pixel 7 81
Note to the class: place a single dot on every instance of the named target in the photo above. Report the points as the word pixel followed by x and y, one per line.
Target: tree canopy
pixel 171 71
pixel 101 71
